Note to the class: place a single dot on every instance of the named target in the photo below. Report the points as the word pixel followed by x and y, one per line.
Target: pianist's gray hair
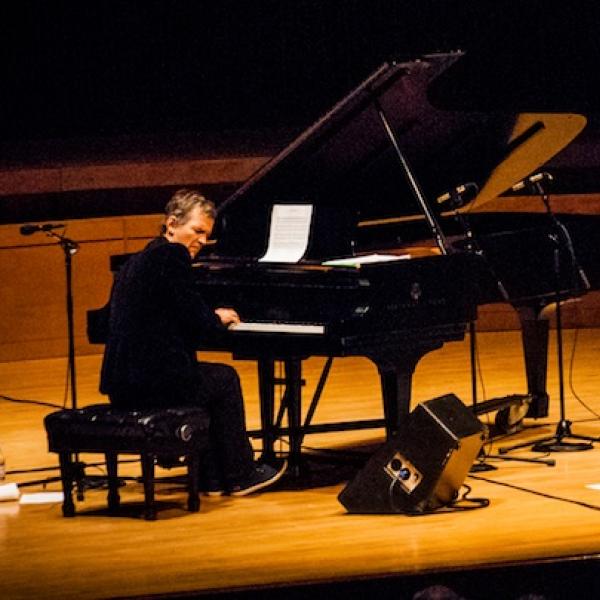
pixel 183 201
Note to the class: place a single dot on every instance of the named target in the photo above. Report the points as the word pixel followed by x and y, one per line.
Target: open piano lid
pixel 346 166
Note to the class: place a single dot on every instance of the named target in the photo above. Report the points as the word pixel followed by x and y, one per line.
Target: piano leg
pixel 395 373
pixel 534 334
pixel 266 383
pixel 395 366
pixel 293 389
pixel 292 399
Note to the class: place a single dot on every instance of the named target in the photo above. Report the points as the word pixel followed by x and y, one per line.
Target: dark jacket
pixel 157 319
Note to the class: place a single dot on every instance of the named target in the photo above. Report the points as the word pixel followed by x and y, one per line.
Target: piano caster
pixel 507 423
pixel 509 420
pixel 538 407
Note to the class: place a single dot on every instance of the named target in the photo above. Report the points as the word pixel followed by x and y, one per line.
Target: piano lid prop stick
pixel 429 216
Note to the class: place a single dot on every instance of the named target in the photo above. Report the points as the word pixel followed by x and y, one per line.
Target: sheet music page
pixel 356 261
pixel 288 237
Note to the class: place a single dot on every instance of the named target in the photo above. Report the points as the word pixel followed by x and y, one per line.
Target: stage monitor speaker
pixel 424 466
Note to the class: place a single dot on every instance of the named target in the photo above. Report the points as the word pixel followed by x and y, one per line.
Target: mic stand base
pixel 556 443
pixel 549 462
pixel 85 482
pixel 482 467
pixel 561 446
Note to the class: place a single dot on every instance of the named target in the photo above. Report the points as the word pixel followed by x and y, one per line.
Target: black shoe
pixel 212 487
pixel 262 477
pixel 170 462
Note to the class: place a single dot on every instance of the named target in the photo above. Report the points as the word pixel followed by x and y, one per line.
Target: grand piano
pixel 382 171
pixel 373 169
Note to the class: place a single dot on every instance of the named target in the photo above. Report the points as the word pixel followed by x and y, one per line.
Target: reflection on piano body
pixel 369 168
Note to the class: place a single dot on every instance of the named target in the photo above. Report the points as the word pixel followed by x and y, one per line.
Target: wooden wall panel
pixel 128 174
pixel 33 321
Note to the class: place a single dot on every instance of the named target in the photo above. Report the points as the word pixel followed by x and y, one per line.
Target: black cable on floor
pixel 22 401
pixel 536 493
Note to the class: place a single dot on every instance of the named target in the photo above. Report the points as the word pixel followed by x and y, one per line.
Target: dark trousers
pixel 231 457
pixel 216 387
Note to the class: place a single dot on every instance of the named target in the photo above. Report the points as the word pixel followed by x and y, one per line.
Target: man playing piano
pixel 157 319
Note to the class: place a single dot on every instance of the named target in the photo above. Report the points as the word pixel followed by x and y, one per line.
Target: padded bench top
pixel 100 427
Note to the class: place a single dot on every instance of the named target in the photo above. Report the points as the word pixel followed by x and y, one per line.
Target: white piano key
pixel 293 328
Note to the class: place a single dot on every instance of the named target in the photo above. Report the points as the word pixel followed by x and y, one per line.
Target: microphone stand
pixel 556 442
pixel 70 248
pixel 456 201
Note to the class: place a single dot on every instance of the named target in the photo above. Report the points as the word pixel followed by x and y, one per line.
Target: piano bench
pixel 149 433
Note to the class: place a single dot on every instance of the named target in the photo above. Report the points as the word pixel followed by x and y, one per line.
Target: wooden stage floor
pixel 540 532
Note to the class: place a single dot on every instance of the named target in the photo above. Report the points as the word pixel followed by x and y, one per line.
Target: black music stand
pixel 557 442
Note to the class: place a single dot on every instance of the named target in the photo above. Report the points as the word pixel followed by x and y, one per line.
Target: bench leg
pixel 66 475
pixel 114 499
pixel 148 477
pixel 78 471
pixel 193 462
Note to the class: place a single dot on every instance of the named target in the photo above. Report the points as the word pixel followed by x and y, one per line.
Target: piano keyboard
pixel 293 328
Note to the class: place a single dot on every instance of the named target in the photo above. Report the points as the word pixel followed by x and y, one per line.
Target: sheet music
pixel 356 261
pixel 288 237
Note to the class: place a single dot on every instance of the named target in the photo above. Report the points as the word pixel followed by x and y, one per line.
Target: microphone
pixel 31 228
pixel 528 181
pixel 457 192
